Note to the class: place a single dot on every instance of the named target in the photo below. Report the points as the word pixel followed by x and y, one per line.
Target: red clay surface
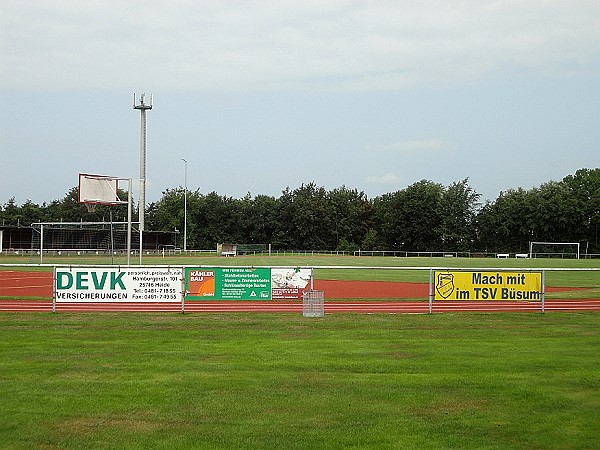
pixel 371 289
pixel 40 284
pixel 25 284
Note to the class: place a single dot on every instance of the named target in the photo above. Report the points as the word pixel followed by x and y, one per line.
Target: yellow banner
pixel 460 285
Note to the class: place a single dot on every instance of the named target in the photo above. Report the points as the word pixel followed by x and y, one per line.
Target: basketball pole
pixel 142 107
pixel 128 222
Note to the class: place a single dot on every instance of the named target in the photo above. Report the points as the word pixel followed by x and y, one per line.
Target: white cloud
pixel 388 178
pixel 408 146
pixel 206 45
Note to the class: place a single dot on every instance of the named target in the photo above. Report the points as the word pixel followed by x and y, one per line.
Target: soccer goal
pixel 554 249
pixel 82 238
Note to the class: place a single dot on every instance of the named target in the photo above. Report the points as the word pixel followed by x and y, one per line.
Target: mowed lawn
pixel 113 380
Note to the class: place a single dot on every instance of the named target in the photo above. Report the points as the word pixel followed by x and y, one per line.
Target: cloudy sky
pixel 261 95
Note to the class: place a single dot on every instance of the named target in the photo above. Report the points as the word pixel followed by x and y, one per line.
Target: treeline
pixel 425 216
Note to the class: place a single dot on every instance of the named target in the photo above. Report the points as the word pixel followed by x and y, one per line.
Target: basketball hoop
pixel 91 207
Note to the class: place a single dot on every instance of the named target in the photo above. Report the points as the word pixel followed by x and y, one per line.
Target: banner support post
pixel 53 288
pixel 543 290
pixel 430 290
pixel 183 291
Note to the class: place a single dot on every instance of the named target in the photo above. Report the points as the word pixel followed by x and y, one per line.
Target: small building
pixel 226 249
pixel 14 238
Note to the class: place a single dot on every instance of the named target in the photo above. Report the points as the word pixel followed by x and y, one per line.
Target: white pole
pixel 185 206
pixel 129 222
pixel 430 290
pixel 54 290
pixel 41 243
pixel 543 291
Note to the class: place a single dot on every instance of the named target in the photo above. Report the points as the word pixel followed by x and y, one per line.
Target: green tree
pixel 68 209
pixel 167 213
pixel 31 213
pixel 584 187
pixel 372 241
pixel 507 223
pixel 11 213
pixel 553 214
pixel 352 213
pixel 459 205
pixel 216 220
pixel 258 221
pixel 306 219
pixel 410 219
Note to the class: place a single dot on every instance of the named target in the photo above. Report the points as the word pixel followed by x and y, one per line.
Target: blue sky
pixel 258 96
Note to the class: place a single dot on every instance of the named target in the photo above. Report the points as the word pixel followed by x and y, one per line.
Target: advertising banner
pixel 463 285
pixel 226 283
pixel 245 283
pixel 104 284
pixel 289 282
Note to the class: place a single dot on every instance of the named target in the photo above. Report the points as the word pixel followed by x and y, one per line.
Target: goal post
pixel 82 238
pixel 564 248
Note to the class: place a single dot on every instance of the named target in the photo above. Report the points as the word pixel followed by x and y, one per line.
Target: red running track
pixel 25 284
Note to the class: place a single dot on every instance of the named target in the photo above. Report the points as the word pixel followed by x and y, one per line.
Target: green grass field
pixel 494 381
pixel 304 259
pixel 157 380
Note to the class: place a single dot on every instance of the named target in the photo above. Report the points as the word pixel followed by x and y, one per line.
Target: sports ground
pixel 374 379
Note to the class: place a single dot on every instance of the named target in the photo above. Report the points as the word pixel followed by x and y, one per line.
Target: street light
pixel 185 206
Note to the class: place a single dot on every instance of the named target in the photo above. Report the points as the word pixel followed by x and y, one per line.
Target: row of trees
pixel 425 216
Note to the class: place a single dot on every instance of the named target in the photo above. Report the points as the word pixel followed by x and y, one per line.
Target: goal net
pixel 250 249
pixel 554 250
pixel 81 237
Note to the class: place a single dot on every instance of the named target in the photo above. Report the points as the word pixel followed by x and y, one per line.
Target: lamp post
pixel 185 205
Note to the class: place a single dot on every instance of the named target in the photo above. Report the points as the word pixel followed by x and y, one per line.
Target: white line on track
pixel 283 307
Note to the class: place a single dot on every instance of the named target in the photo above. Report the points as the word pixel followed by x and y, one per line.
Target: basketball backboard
pixel 99 189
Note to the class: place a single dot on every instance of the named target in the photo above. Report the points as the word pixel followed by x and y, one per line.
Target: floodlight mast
pixel 185 206
pixel 143 107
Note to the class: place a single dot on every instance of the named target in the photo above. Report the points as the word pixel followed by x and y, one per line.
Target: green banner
pixel 228 283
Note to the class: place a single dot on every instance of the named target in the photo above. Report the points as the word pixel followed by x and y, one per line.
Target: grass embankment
pixel 283 381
